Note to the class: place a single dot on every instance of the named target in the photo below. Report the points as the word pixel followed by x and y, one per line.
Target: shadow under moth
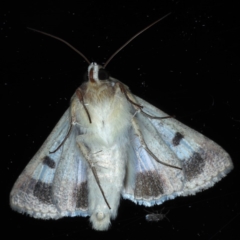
pixel 111 144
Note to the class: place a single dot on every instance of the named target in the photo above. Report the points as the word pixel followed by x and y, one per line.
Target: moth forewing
pixel 172 144
pixel 203 161
pixel 31 192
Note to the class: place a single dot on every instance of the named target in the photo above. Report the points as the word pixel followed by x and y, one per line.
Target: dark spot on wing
pixel 193 166
pixel 49 162
pixel 43 192
pixel 177 138
pixel 148 185
pixel 28 184
pixel 82 196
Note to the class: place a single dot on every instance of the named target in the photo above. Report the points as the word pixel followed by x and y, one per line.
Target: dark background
pixel 186 65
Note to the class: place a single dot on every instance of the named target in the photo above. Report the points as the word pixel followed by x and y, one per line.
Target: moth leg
pixel 82 146
pixel 132 100
pixel 72 120
pixel 66 137
pixel 129 98
pixel 144 145
pixel 80 98
pixel 94 171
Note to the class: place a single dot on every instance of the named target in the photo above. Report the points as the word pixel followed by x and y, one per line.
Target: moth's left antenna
pixel 61 40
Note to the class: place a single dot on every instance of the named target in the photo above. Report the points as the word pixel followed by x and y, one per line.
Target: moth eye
pixel 103 74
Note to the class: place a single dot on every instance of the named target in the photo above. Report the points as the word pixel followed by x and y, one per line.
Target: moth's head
pixel 97 73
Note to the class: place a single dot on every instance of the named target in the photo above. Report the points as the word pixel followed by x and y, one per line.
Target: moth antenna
pixel 123 90
pixel 124 45
pixel 80 97
pixel 63 41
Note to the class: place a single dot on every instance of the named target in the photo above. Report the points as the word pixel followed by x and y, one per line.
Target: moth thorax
pixel 99 92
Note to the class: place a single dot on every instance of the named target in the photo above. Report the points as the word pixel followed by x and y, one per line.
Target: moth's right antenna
pixel 133 38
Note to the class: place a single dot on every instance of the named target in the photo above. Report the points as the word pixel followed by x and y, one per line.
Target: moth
pixel 110 144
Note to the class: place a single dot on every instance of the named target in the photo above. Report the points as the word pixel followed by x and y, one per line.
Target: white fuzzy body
pixel 106 139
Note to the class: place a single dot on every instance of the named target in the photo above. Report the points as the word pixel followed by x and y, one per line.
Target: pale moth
pixel 111 144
